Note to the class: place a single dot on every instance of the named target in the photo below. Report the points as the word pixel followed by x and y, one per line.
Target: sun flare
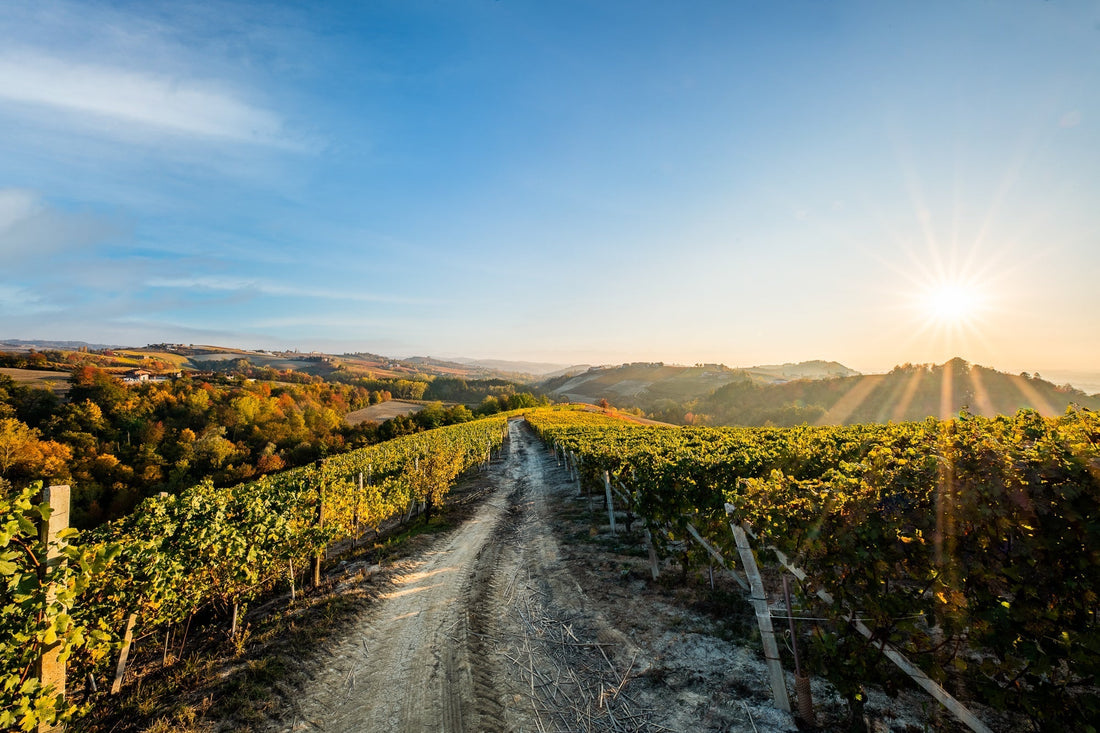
pixel 952 308
pixel 952 303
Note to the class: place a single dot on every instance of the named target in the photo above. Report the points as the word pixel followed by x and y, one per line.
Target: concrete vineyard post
pixel 51 670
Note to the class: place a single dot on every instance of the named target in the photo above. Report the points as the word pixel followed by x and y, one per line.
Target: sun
pixel 952 304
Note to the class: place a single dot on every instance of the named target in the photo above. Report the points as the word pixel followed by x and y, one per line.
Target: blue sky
pixel 574 182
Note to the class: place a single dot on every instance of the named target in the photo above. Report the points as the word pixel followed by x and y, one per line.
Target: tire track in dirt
pixel 412 663
pixel 490 630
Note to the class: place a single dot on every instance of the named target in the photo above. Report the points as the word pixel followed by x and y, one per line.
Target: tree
pixel 489 406
pixel 25 457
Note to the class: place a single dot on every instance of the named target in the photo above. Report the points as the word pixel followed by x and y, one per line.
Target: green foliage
pixel 118 443
pixel 205 547
pixel 37 602
pixel 971 544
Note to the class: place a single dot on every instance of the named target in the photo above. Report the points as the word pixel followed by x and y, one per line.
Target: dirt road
pixel 491 630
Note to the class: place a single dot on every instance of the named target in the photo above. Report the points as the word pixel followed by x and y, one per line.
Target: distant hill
pixel 656 387
pixel 815 392
pixel 534 368
pixel 908 392
pixel 27 345
pixel 816 369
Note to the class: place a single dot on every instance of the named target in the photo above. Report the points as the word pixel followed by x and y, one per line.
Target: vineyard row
pixel 971 545
pixel 76 598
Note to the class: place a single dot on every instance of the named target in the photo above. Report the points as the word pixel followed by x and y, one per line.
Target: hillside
pixel 908 392
pixel 168 358
pixel 814 392
pixel 658 387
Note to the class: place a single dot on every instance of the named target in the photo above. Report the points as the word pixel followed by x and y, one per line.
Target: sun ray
pixel 851 400
pixel 981 394
pixel 911 387
pixel 1030 394
pixel 947 391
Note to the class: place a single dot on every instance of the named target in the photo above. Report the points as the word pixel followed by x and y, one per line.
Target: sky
pixel 573 182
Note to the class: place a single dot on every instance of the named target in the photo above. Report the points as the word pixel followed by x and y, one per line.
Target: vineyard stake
pixel 127 639
pixel 654 567
pixel 945 698
pixel 717 556
pixel 50 669
pixel 610 504
pixel 763 619
pixel 802 690
pixel 355 519
pixel 316 559
pixel 186 631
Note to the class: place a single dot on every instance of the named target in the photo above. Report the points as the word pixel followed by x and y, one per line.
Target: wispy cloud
pixel 170 104
pixel 263 287
pixel 32 229
pixel 15 300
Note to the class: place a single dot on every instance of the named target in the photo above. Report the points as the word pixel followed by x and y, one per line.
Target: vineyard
pixel 77 598
pixel 969 546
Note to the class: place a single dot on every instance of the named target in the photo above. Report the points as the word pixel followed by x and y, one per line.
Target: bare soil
pixel 531 616
pixel 382 411
pixel 57 381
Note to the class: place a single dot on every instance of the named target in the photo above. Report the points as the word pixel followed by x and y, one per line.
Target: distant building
pixel 136 376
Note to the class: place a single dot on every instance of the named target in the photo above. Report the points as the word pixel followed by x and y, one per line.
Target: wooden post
pixel 763 619
pixel 290 571
pixel 717 556
pixel 945 698
pixel 51 670
pixel 316 560
pixel 610 504
pixel 127 639
pixel 164 654
pixel 654 567
pixel 358 500
pixel 412 499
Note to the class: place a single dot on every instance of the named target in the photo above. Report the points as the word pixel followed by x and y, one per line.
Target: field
pixel 138 358
pixel 57 381
pixel 275 362
pixel 383 411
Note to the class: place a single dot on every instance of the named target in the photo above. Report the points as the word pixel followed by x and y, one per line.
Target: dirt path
pixel 492 630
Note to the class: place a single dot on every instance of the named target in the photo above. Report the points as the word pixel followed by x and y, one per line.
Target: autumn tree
pixel 24 456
